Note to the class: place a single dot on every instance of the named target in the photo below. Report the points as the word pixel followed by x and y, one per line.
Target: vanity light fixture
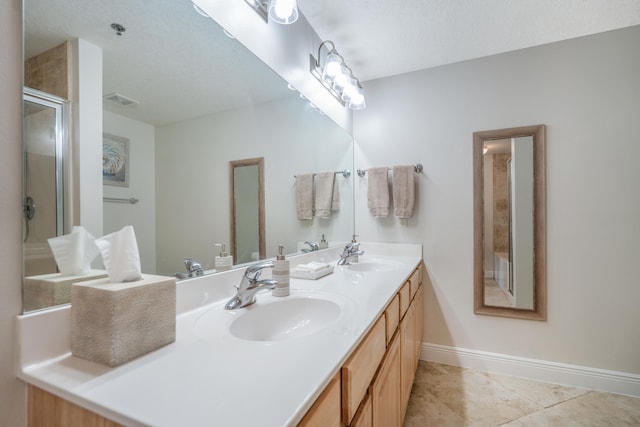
pixel 337 77
pixel 280 11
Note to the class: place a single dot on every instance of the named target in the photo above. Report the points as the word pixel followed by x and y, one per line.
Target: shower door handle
pixel 29 208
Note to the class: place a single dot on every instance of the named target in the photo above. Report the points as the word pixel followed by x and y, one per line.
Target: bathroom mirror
pixel 203 100
pixel 509 222
pixel 246 178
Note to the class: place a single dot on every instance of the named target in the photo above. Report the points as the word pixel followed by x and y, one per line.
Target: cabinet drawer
pixel 325 412
pixel 358 371
pixel 415 280
pixel 392 314
pixel 405 298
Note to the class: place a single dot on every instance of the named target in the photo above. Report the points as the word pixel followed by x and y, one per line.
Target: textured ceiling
pixel 179 64
pixel 175 62
pixel 381 38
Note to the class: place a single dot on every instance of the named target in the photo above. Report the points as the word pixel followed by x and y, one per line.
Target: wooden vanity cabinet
pixel 386 396
pixel 47 410
pixel 359 369
pixel 364 416
pixel 325 412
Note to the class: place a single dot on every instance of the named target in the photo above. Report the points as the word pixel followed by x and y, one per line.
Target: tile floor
pixel 444 395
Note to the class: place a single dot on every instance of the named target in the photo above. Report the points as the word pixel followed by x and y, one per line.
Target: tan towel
pixel 335 199
pixel 403 191
pixel 324 193
pixel 304 195
pixel 378 192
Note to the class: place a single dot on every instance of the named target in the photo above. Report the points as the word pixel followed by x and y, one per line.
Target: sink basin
pixel 270 319
pixel 285 319
pixel 374 265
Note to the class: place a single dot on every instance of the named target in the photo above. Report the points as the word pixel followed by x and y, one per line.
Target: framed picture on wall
pixel 115 160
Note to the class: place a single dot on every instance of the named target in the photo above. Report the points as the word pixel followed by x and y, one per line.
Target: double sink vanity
pixel 339 350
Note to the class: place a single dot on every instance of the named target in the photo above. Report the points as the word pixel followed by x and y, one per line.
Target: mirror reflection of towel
pixel 325 189
pixel 304 195
pixel 378 192
pixel 403 191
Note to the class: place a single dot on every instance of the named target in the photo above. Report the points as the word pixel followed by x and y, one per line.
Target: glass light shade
pixel 341 80
pixel 283 11
pixel 357 100
pixel 331 69
pixel 350 89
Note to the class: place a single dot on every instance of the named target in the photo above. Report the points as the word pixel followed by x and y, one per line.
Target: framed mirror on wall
pixel 509 222
pixel 246 178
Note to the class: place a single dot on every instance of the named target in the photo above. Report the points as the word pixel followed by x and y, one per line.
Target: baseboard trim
pixel 535 369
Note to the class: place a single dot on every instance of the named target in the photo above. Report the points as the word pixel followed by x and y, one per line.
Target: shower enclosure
pixel 45 124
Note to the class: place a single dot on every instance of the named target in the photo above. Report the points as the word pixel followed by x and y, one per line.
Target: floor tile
pixel 444 395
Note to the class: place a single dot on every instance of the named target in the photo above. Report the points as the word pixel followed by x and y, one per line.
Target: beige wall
pixel 586 91
pixel 12 391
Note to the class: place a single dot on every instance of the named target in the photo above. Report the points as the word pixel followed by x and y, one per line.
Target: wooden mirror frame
pixel 539 311
pixel 258 161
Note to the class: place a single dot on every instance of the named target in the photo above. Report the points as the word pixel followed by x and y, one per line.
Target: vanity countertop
pixel 217 379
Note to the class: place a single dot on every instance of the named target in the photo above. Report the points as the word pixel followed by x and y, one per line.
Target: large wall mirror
pixel 186 99
pixel 509 222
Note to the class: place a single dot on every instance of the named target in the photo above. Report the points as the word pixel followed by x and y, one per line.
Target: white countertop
pixel 213 378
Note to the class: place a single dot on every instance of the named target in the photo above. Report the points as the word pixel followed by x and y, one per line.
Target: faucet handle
pixel 256 270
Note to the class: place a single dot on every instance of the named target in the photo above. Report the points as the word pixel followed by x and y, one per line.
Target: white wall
pixel 86 98
pixel 587 92
pixel 142 215
pixel 13 405
pixel 290 138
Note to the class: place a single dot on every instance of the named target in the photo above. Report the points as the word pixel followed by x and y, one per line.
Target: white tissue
pixel 120 255
pixel 74 252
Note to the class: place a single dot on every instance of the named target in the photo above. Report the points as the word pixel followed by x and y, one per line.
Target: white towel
pixel 403 191
pixel 378 192
pixel 304 195
pixel 335 199
pixel 324 193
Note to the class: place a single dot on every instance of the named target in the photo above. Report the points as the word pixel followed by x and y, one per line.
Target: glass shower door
pixel 44 142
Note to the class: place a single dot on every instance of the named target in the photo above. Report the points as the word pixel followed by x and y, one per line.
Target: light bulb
pixel 357 100
pixel 350 89
pixel 283 11
pixel 331 67
pixel 341 80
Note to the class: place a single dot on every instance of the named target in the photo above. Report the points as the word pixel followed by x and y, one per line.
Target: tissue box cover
pixel 112 323
pixel 48 290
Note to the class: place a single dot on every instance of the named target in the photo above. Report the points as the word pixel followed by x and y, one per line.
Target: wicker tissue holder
pixel 113 323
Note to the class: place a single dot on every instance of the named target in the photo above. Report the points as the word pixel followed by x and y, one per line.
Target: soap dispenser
pixel 280 273
pixel 223 261
pixel 323 243
pixel 356 246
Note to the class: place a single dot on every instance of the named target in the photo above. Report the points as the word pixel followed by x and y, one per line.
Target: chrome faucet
pixel 250 285
pixel 194 269
pixel 351 250
pixel 313 246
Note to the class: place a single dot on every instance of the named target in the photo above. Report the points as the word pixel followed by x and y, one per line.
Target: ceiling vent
pixel 119 99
